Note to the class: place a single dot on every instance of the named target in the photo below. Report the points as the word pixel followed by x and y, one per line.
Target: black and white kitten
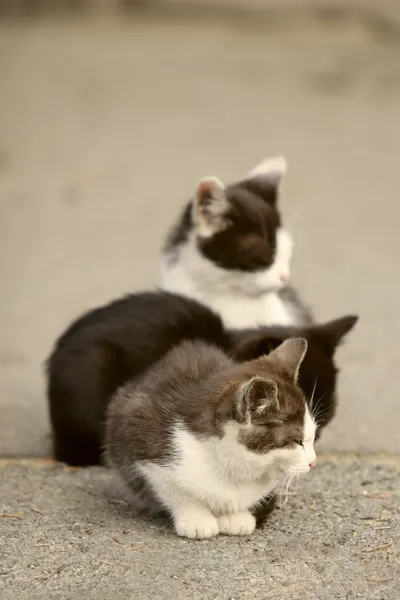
pixel 208 439
pixel 109 345
pixel 230 251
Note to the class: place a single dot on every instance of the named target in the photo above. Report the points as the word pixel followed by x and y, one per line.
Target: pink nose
pixel 312 464
pixel 284 277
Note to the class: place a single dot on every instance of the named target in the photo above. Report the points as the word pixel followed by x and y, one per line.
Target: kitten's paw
pixel 197 527
pixel 242 523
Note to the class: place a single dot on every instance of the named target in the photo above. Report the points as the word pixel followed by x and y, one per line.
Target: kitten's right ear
pixel 290 355
pixel 331 334
pixel 210 204
pixel 256 396
pixel 271 170
pixel 266 177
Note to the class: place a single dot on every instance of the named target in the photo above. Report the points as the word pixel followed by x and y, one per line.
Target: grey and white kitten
pixel 207 439
pixel 230 251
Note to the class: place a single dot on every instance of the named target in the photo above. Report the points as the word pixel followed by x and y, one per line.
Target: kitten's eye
pixel 300 443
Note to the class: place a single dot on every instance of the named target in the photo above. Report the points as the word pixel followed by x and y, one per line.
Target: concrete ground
pixel 104 129
pixel 69 536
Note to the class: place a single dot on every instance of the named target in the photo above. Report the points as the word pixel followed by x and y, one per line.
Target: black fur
pixel 107 346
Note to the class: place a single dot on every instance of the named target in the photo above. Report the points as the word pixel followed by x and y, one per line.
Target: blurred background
pixel 110 111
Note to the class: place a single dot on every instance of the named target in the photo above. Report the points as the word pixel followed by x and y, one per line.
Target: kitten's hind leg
pixel 241 523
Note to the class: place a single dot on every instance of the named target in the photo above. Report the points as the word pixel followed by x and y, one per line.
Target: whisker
pixel 289 485
pixel 312 395
pixel 282 493
pixel 315 413
pixel 282 488
pixel 321 412
pixel 318 404
pixel 276 482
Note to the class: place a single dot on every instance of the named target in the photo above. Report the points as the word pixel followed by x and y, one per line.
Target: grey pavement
pixel 104 129
pixel 71 537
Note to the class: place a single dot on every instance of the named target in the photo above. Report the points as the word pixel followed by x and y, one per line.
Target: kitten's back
pixel 104 347
pixel 175 385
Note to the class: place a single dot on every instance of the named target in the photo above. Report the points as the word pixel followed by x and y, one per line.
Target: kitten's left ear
pixel 256 396
pixel 266 177
pixel 290 355
pixel 210 204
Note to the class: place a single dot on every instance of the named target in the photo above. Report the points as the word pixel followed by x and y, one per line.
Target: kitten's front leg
pixel 241 523
pixel 195 522
pixel 192 518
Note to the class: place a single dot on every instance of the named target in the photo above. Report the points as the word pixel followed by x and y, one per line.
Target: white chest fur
pixel 237 309
pixel 242 299
pixel 241 312
pixel 218 474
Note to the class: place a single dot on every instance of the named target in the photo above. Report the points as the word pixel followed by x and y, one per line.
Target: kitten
pixel 207 438
pixel 119 341
pixel 230 251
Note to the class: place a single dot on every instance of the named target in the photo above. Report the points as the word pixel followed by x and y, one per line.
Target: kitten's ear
pixel 210 205
pixel 265 178
pixel 256 396
pixel 331 334
pixel 290 355
pixel 270 169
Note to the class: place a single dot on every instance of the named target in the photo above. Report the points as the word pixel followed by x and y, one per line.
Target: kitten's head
pixel 232 236
pixel 271 412
pixel 318 371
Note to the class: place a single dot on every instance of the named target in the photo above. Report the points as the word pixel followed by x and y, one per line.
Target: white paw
pixel 197 527
pixel 242 523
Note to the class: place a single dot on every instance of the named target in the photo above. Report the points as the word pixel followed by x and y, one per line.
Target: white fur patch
pixel 196 524
pixel 305 454
pixel 272 169
pixel 309 437
pixel 242 523
pixel 243 299
pixel 212 483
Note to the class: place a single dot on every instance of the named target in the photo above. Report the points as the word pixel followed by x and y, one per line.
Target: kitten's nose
pixel 312 464
pixel 284 277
